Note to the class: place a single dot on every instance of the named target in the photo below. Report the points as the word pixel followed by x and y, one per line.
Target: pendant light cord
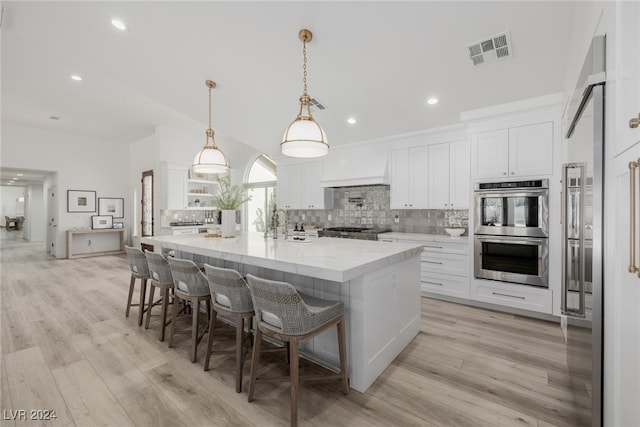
pixel 304 67
pixel 210 133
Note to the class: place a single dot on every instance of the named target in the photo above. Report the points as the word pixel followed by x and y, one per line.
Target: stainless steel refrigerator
pixel 582 225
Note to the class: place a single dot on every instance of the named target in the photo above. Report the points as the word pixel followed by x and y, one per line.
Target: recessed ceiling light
pixel 19 174
pixel 76 77
pixel 351 120
pixel 432 101
pixel 118 24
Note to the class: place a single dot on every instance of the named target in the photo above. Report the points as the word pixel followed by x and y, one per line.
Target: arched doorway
pixel 261 186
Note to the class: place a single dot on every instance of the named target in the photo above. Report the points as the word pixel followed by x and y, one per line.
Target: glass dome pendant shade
pixel 210 159
pixel 304 137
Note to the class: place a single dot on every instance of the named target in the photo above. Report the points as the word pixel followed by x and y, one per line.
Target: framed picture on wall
pixel 111 206
pixel 101 221
pixel 81 201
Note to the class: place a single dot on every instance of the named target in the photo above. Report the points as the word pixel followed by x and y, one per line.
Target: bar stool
pixel 162 279
pixel 231 298
pixel 287 315
pixel 190 285
pixel 139 270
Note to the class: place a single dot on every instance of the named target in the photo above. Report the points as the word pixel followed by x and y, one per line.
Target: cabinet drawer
pixel 455 286
pixel 444 263
pixel 447 247
pixel 518 296
pixel 185 231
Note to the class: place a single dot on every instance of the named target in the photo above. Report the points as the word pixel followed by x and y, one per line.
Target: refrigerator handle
pixel 633 268
pixel 565 247
pixel 580 228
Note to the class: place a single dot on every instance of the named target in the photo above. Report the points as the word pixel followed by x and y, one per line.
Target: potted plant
pixel 228 199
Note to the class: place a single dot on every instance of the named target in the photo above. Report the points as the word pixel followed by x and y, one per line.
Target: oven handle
pixel 509 239
pixel 516 192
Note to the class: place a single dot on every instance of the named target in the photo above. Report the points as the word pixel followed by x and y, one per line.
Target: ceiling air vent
pixel 490 49
pixel 317 105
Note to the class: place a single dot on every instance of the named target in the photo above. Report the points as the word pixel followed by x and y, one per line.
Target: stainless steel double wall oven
pixel 512 231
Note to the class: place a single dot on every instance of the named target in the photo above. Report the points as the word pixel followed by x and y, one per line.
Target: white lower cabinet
pixel 444 269
pixel 444 262
pixel 518 296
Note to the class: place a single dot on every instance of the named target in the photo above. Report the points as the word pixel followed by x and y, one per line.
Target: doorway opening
pixel 146 217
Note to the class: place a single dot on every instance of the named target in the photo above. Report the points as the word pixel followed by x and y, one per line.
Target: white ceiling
pixel 376 61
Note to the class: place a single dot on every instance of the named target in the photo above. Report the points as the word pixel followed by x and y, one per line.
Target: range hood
pixel 356 165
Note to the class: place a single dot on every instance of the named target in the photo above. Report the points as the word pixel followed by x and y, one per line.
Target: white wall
pixel 82 163
pixel 34 225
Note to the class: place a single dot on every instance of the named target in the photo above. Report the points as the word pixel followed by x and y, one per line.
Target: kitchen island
pixel 378 282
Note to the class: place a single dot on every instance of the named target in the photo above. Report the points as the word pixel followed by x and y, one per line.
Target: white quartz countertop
pixel 326 258
pixel 422 237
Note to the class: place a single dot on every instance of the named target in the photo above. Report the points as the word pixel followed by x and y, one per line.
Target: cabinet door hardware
pixel 433 262
pixel 634 122
pixel 633 166
pixel 432 247
pixel 432 283
pixel 507 295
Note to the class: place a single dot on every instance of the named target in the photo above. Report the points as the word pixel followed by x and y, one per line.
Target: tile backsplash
pixel 369 206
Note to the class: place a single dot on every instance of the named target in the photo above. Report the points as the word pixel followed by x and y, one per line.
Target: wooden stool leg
pixel 143 292
pixel 174 318
pixel 165 304
pixel 212 327
pixel 132 284
pixel 257 339
pixel 149 305
pixel 239 346
pixel 342 348
pixel 194 333
pixel 294 378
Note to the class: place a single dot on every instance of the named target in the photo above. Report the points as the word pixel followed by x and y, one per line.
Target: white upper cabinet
pixel 517 151
pixel 490 151
pixel 627 88
pixel 312 193
pixel 289 186
pixel 174 182
pixel 299 186
pixel 410 178
pixel 531 150
pixel 449 175
pixel 439 176
pixel 460 174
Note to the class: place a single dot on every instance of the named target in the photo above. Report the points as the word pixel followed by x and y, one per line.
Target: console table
pixel 71 233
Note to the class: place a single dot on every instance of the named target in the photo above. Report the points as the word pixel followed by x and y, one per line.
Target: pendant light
pixel 210 159
pixel 304 137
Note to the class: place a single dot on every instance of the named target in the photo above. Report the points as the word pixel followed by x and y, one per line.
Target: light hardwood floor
pixel 66 346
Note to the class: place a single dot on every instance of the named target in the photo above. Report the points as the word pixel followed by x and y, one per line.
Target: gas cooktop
pixel 348 229
pixel 363 233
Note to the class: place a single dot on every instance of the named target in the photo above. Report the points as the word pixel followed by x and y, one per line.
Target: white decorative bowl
pixel 455 232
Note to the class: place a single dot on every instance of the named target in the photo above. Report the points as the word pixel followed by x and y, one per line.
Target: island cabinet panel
pixel 385 317
pixel 379 284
